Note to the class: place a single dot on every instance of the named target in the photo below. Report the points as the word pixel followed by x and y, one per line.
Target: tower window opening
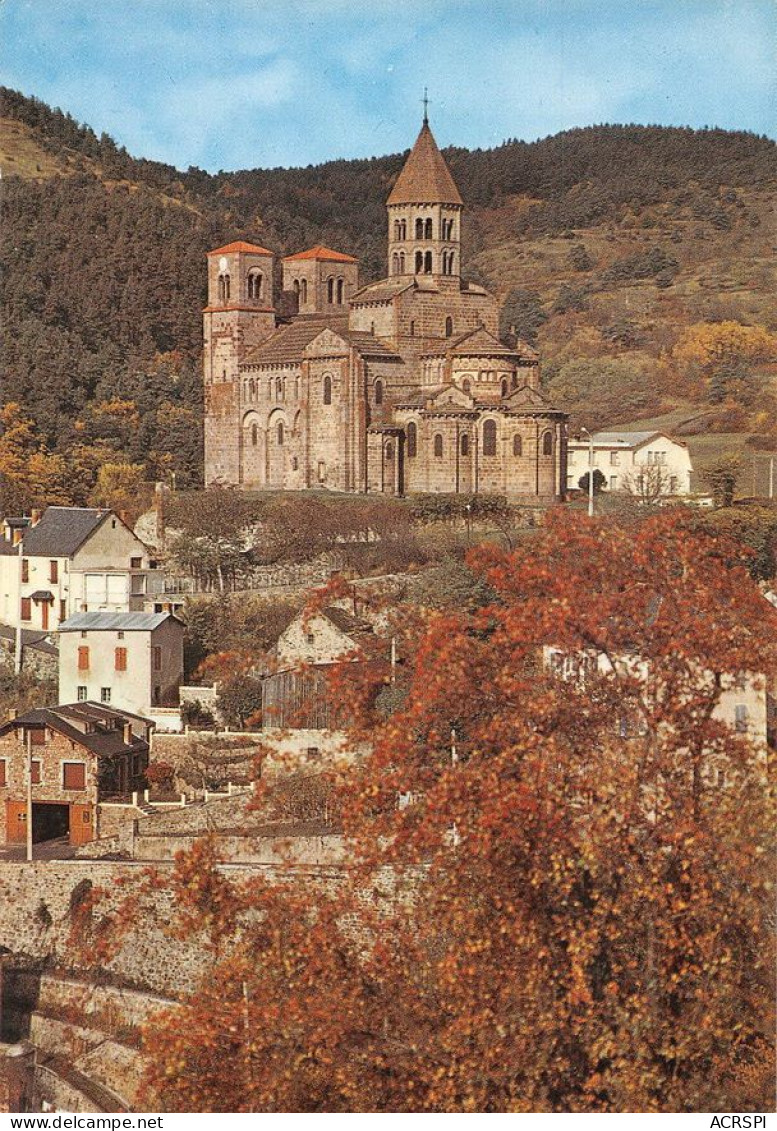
pixel 389 450
pixel 547 444
pixel 255 284
pixel 412 439
pixel 378 392
pixel 448 326
pixel 397 230
pixel 438 446
pixel 278 388
pixel 517 445
pixel 427 229
pixel 412 329
pixel 465 445
pixel 451 257
pixel 401 262
pixel 340 292
pixel 504 386
pixel 303 291
pixel 330 290
pixel 252 389
pixel 419 262
pixel 419 229
pixel 224 288
pixel 327 389
pixel 427 263
pixel 403 229
pixel 489 438
pixel 296 287
pixel 395 264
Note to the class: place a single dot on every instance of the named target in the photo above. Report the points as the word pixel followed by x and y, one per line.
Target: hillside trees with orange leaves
pixel 572 911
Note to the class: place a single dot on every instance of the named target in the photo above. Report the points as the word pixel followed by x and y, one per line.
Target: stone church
pixel 397 387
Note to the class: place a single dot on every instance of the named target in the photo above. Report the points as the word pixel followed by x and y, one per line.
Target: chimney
pixel 12 713
pixel 128 734
pixel 34 517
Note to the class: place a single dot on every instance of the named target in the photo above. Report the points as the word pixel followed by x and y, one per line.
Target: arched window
pixel 451 257
pixel 296 287
pixel 466 385
pixel 278 388
pixel 252 389
pixel 340 292
pixel 465 444
pixel 395 264
pixel 327 389
pixel 401 262
pixel 419 262
pixel 303 290
pixel 296 388
pixel 403 233
pixel 445 263
pixel 254 284
pixel 428 263
pixel 489 438
pixel 280 433
pixel 226 287
pixel 428 229
pixel 504 386
pixel 254 435
pixel 517 445
pixel 330 290
pixel 547 444
pixel 397 230
pixel 223 288
pixel 412 439
pixel 378 392
pixel 448 326
pixel 438 446
pixel 389 450
pixel 412 329
pixel 419 229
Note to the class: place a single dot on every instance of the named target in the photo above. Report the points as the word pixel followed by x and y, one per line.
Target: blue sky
pixel 230 84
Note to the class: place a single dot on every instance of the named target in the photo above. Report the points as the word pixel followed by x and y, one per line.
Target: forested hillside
pixel 638 258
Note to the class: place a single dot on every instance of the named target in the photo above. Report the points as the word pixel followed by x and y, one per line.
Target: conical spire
pixel 425 178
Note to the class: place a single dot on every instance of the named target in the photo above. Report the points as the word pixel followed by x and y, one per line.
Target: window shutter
pixel 73 775
pixel 121 659
pixel 83 659
pixel 26 608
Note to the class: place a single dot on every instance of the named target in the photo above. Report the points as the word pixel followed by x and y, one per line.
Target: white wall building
pixel 133 661
pixel 72 559
pixel 636 462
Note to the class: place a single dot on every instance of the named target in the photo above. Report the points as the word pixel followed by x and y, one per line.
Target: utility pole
pixel 590 472
pixel 29 795
pixel 18 642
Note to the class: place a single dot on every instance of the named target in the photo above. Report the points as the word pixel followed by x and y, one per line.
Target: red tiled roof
pixel 425 178
pixel 321 252
pixel 241 245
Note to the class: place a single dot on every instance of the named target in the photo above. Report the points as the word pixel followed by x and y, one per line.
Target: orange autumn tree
pixel 570 909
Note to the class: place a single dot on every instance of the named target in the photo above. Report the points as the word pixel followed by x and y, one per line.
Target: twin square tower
pixel 400 386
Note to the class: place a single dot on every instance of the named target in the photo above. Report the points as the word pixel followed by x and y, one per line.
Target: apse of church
pixel 396 387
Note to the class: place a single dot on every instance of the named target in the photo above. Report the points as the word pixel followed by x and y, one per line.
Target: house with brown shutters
pixel 131 661
pixel 68 560
pixel 75 757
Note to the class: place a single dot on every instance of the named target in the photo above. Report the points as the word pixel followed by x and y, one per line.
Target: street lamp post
pixel 590 472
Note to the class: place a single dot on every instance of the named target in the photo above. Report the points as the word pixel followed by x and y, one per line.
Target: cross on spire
pixel 426 108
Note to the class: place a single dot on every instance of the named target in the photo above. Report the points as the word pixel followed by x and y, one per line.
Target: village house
pixel 131 661
pixel 297 698
pixel 68 560
pixel 639 463
pixel 77 755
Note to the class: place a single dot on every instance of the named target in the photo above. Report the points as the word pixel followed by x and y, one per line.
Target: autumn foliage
pixel 570 909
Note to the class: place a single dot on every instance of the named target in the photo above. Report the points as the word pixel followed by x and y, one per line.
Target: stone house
pixel 639 463
pixel 69 560
pixel 398 386
pixel 78 754
pixel 130 661
pixel 322 637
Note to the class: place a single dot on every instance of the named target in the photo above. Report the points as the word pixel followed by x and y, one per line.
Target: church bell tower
pixel 424 216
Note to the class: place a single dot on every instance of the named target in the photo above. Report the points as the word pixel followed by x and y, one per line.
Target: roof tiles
pixel 425 178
